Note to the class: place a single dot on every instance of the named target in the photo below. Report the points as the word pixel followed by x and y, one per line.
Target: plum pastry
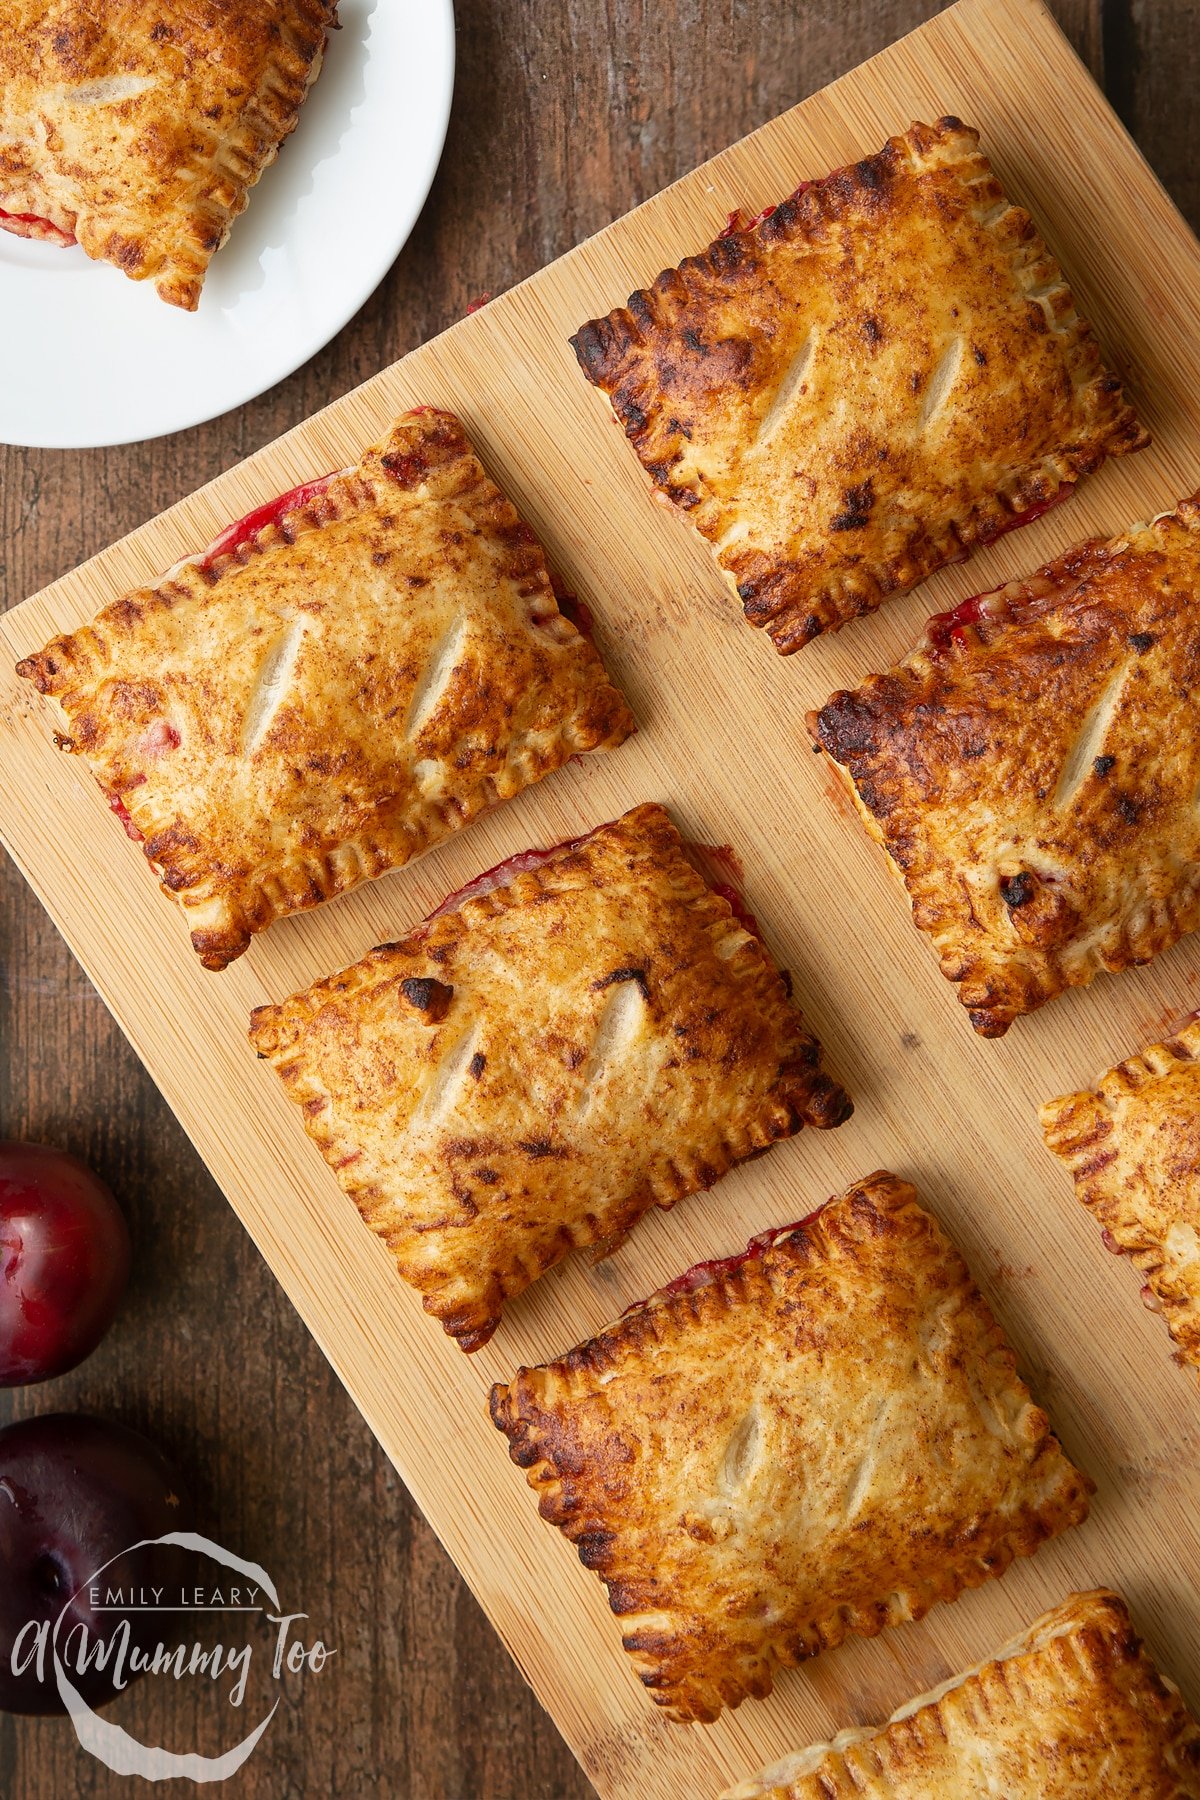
pixel 340 680
pixel 1132 1144
pixel 137 131
pixel 821 1436
pixel 580 1034
pixel 870 380
pixel 1032 768
pixel 1073 1710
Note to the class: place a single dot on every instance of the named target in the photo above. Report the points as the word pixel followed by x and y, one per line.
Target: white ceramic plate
pixel 93 358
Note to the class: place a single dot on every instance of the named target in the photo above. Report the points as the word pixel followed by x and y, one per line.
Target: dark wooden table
pixel 565 116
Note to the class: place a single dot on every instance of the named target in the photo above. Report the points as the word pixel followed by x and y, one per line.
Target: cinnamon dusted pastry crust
pixel 139 129
pixel 535 1068
pixel 1032 769
pixel 1074 1710
pixel 883 372
pixel 821 1437
pixel 340 689
pixel 1133 1146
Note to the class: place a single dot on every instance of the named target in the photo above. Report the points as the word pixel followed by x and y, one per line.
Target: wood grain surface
pixel 564 118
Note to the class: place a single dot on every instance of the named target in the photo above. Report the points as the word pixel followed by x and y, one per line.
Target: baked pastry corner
pixel 1132 1145
pixel 1074 1709
pixel 820 1437
pixel 137 131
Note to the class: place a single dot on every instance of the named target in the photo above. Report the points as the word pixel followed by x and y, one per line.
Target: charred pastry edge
pixel 607 348
pixel 808 1095
pixel 418 442
pixel 880 1203
pixel 1052 578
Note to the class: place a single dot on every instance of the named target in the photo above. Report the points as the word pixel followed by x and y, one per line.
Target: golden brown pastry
pixel 824 1435
pixel 1032 769
pixel 869 381
pixel 339 681
pixel 1133 1146
pixel 1073 1710
pixel 583 1034
pixel 137 130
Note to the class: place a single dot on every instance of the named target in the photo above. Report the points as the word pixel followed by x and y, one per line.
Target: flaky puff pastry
pixel 880 374
pixel 823 1436
pixel 336 684
pixel 138 130
pixel 1132 1145
pixel 537 1067
pixel 1032 769
pixel 1073 1710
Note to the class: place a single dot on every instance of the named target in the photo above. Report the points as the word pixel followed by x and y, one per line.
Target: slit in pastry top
pixel 138 132
pixel 582 1034
pixel 865 382
pixel 1032 769
pixel 337 682
pixel 819 1437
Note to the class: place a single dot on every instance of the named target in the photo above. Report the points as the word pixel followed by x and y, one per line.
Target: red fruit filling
pixel 1110 1243
pixel 122 812
pixel 1015 521
pixel 156 740
pixel 499 876
pixel 159 738
pixel 579 613
pixel 242 530
pixel 702 1274
pixel 736 222
pixel 35 227
pixel 944 628
pixel 571 607
pixel 738 907
pixel 727 858
pixel 508 870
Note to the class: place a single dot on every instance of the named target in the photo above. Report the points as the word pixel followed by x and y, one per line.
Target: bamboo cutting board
pixel 722 742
